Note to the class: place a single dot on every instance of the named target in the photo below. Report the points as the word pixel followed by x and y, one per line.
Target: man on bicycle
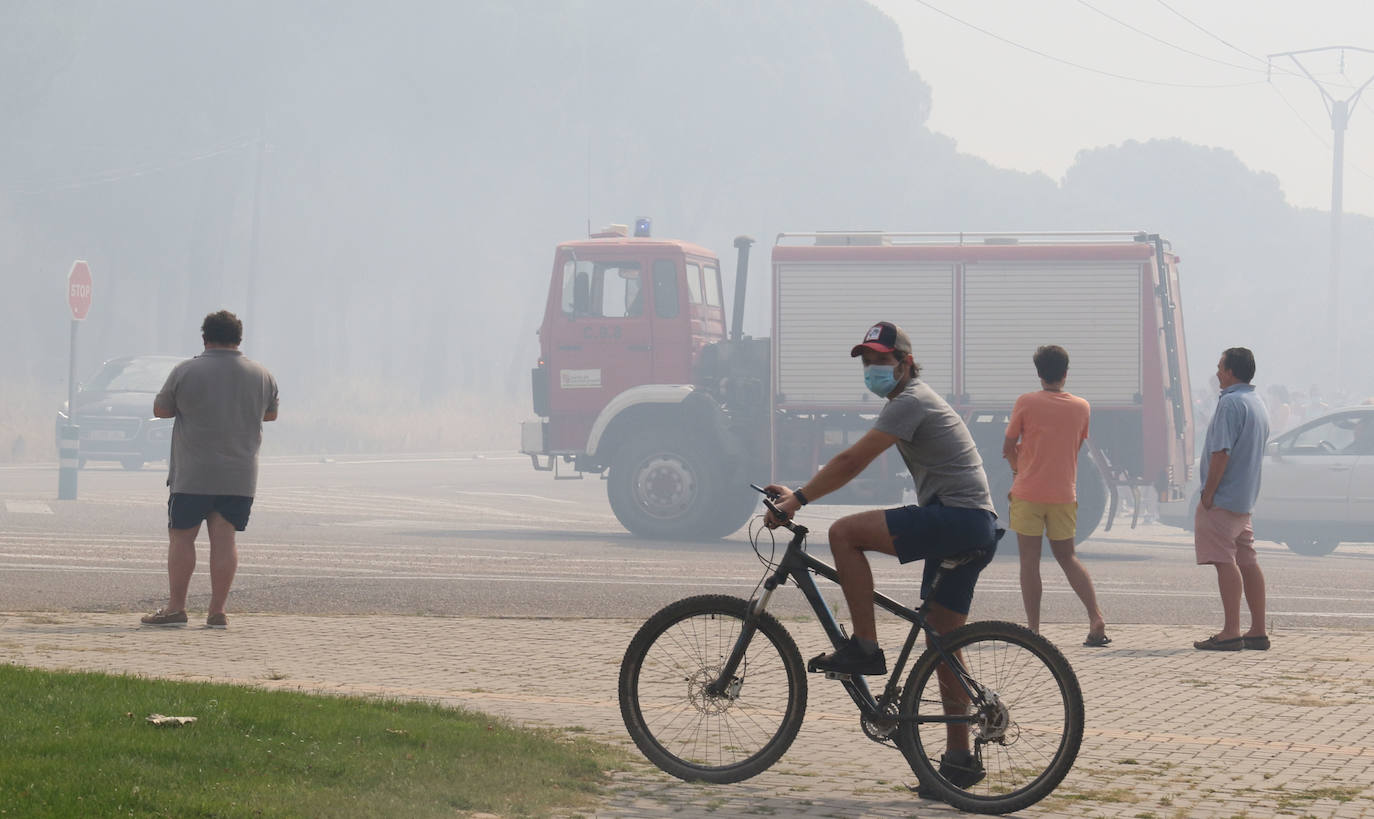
pixel 954 515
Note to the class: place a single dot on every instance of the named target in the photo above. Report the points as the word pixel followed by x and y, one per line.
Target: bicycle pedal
pixel 835 675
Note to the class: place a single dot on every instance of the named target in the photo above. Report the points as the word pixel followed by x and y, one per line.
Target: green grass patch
pixel 79 745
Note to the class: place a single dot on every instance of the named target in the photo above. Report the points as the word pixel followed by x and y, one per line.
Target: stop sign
pixel 79 290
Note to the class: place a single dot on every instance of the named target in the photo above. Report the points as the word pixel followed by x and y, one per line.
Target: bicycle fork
pixel 726 683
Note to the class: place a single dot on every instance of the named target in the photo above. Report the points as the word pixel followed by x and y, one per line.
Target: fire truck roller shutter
pixel 1092 309
pixel 822 307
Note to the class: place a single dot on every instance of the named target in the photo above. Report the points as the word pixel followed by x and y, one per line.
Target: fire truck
pixel 641 381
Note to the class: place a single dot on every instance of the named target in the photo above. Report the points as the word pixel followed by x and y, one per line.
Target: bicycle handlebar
pixel 768 502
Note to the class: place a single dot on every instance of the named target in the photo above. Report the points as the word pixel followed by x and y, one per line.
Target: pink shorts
pixel 1223 536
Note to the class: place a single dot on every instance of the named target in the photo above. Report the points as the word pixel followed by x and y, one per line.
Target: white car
pixel 1317 487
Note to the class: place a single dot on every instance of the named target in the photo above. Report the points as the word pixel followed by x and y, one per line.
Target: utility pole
pixel 252 283
pixel 1340 117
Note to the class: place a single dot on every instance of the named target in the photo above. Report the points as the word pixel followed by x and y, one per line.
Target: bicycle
pixel 706 700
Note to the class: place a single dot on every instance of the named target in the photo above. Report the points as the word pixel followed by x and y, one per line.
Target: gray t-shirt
pixel 937 448
pixel 219 399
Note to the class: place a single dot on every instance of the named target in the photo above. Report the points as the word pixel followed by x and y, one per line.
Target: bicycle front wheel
pixel 691 733
pixel 1024 729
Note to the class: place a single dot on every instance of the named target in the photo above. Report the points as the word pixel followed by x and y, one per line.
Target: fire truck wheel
pixel 664 485
pixel 736 504
pixel 1312 546
pixel 1092 500
pixel 1092 497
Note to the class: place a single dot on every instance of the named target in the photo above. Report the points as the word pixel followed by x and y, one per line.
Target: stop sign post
pixel 79 291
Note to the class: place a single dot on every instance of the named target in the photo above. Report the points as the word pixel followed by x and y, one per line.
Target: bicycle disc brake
pixel 706 702
pixel 994 720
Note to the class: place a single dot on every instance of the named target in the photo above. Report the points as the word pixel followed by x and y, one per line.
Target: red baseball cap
pixel 884 337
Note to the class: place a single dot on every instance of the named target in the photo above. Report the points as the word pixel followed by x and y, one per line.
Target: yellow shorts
pixel 1058 520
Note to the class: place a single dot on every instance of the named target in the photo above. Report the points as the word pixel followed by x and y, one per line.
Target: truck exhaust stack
pixel 742 244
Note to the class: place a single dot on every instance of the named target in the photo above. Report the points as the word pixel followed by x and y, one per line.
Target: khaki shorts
pixel 1058 520
pixel 1222 536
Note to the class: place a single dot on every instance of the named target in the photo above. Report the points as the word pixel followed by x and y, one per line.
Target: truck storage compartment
pixel 823 308
pixel 1090 308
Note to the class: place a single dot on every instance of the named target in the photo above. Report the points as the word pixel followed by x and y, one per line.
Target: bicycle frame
pixel 799 566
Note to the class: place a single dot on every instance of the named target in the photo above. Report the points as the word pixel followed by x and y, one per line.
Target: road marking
pixel 354 462
pixel 514 495
pixel 27 507
pixel 1326 613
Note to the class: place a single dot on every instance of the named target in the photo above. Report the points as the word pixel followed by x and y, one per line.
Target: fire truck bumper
pixel 533 437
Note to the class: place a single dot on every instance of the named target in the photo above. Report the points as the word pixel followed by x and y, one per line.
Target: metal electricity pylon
pixel 1339 109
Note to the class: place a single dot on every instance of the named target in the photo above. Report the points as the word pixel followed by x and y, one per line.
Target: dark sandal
pixel 1097 640
pixel 1213 644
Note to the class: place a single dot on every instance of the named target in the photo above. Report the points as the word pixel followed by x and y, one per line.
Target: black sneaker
pixel 961 769
pixel 850 658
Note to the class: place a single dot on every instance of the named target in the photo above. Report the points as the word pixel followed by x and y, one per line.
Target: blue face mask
pixel 881 379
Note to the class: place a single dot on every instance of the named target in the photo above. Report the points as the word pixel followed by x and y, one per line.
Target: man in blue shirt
pixel 1222 532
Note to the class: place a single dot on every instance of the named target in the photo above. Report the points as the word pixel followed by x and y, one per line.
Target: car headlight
pixel 159 432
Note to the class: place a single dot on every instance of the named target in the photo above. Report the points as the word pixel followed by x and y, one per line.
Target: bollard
pixel 68 461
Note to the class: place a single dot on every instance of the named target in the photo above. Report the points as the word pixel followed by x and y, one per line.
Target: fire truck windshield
pixel 608 289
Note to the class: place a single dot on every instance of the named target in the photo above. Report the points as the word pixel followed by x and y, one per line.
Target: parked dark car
pixel 114 411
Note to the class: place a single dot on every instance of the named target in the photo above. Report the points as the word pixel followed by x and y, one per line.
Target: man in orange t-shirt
pixel 1046 431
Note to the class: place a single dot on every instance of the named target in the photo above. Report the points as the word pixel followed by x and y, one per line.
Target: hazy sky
pixel 1024 111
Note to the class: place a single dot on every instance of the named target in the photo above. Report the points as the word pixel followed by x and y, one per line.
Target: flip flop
pixel 1097 640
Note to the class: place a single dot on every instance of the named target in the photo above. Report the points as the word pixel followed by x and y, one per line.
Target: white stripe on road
pixel 515 495
pixel 1325 613
pixel 27 507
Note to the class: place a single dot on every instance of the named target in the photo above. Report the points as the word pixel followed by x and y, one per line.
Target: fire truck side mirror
pixel 582 294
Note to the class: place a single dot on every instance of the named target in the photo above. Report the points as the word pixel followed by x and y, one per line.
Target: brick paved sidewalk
pixel 1171 732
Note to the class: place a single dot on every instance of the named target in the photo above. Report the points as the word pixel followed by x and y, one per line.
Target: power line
pixel 1310 127
pixel 1163 41
pixel 1080 66
pixel 112 175
pixel 1210 33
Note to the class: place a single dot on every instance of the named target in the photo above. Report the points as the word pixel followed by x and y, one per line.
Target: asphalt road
pixel 483 534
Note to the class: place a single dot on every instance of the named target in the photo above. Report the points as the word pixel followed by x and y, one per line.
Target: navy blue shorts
pixel 934 532
pixel 186 511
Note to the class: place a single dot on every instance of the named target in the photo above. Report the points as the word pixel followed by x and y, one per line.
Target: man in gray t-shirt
pixel 954 516
pixel 219 400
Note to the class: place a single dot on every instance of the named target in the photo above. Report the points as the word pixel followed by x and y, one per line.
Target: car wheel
pixel 1313 546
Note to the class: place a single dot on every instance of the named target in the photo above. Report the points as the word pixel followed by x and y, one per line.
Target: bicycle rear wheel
pixel 690 733
pixel 1026 732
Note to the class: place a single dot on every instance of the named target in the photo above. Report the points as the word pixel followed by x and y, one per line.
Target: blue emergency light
pixel 642 225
